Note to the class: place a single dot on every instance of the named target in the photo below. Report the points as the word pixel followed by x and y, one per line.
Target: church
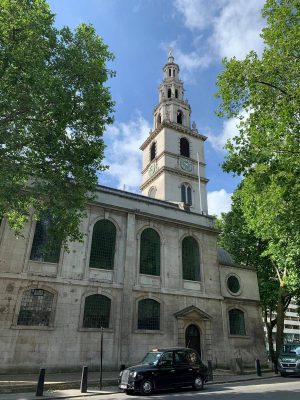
pixel 149 273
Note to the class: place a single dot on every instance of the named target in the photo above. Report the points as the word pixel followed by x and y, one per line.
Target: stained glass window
pixel 149 314
pixel 103 245
pixel 96 311
pixel 236 322
pixel 190 259
pixel 150 252
pixel 36 308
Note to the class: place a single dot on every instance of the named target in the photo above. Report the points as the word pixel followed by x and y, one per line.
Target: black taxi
pixel 163 369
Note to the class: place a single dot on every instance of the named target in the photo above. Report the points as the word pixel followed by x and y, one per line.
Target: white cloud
pixel 218 201
pixel 236 30
pixel 123 155
pixel 230 129
pixel 188 62
pixel 232 28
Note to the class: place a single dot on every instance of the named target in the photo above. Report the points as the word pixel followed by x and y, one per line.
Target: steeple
pixel 170 153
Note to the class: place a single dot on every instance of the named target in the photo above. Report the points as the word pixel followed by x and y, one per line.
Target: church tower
pixel 173 154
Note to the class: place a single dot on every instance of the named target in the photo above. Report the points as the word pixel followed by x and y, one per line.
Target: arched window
pixel 158 119
pixel 103 245
pixel 152 192
pixel 236 322
pixel 169 93
pixel 176 93
pixel 190 259
pixel 186 194
pixel 96 311
pixel 179 117
pixel 153 151
pixel 184 147
pixel 45 247
pixel 150 252
pixel 36 308
pixel 148 314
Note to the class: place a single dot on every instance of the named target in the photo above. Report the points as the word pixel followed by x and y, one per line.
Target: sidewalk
pixel 66 385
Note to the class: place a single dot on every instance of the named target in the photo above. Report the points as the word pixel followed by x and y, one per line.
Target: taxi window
pixel 181 357
pixel 167 358
pixel 151 358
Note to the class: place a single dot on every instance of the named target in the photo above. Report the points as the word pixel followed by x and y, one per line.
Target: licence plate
pixel 123 386
pixel 289 370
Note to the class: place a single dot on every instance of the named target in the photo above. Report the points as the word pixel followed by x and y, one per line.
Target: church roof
pixel 226 258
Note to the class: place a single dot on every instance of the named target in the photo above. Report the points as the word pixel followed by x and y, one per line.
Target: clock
pixel 152 169
pixel 186 165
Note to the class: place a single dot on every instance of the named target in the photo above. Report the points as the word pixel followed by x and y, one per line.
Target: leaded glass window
pixel 36 308
pixel 233 284
pixel 184 147
pixel 96 311
pixel 186 194
pixel 149 314
pixel 45 247
pixel 236 322
pixel 103 245
pixel 150 252
pixel 190 259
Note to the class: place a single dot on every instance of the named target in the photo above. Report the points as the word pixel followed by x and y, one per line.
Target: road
pixel 265 389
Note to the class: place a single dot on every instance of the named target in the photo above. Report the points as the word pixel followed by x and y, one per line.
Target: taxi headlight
pixel 133 374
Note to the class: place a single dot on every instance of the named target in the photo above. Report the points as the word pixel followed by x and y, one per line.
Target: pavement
pixel 67 385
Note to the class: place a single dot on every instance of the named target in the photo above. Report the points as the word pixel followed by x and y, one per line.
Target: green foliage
pixel 264 93
pixel 53 111
pixel 247 249
pixel 267 150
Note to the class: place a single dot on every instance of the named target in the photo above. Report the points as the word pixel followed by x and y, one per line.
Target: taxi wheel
pixel 198 383
pixel 146 386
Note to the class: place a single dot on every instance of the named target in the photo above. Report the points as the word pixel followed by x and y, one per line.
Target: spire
pixel 170 56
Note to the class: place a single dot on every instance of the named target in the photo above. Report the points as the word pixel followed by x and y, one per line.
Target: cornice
pixel 173 155
pixel 173 171
pixel 176 127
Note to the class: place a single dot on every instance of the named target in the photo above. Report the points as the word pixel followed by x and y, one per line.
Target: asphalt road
pixel 266 389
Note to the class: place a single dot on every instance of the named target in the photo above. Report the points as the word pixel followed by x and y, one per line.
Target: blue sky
pixel 139 33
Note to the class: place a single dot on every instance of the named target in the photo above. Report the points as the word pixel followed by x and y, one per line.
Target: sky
pixel 140 33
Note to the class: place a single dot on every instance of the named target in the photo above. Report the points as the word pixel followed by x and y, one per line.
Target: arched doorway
pixel 192 338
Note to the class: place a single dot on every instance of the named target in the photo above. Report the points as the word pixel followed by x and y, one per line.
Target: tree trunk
pixel 280 320
pixel 270 342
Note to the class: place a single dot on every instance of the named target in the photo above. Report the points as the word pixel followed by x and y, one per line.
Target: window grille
pixel 36 308
pixel 103 245
pixel 184 147
pixel 149 314
pixel 45 247
pixel 150 252
pixel 190 259
pixel 152 151
pixel 236 322
pixel 96 311
pixel 233 284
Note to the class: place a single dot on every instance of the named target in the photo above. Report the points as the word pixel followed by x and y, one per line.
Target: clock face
pixel 152 169
pixel 186 165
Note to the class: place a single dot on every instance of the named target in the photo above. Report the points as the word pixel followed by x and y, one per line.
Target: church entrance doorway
pixel 192 338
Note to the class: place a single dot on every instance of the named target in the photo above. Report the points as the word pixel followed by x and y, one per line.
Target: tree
pixel 53 111
pixel 263 92
pixel 249 250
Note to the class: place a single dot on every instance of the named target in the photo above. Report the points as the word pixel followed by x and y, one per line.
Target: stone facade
pixel 62 340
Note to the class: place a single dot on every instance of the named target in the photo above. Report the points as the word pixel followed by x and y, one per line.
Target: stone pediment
pixel 192 312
